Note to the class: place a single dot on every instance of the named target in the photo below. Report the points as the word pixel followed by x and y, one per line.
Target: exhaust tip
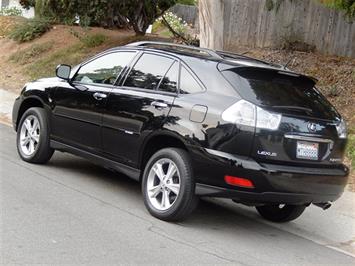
pixel 323 205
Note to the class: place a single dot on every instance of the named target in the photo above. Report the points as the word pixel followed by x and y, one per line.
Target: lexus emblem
pixel 312 127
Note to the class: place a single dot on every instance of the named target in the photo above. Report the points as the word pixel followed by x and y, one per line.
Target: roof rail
pixel 237 56
pixel 210 52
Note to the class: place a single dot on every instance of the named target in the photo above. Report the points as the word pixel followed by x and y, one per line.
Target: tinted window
pixel 169 82
pixel 273 89
pixel 105 69
pixel 148 71
pixel 188 84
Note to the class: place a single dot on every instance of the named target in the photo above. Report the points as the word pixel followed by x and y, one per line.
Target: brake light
pixel 238 181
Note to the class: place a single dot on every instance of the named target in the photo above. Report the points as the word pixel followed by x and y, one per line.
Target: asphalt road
pixel 71 211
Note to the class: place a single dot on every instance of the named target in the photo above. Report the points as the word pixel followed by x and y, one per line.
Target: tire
pixel 41 151
pixel 280 213
pixel 181 203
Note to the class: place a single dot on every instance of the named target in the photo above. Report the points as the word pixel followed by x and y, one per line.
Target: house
pixel 15 3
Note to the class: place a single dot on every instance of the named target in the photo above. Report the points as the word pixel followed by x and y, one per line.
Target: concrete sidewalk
pixel 7 99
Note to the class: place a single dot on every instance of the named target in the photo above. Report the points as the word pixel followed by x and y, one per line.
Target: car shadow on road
pixel 211 213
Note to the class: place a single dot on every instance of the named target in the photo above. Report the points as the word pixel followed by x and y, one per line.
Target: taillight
pixel 238 181
pixel 341 128
pixel 248 114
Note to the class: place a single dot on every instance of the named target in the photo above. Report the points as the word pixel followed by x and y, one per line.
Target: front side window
pixel 105 69
pixel 148 71
pixel 188 83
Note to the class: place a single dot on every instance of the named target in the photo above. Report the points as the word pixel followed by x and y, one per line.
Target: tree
pixel 138 14
pixel 141 14
pixel 27 3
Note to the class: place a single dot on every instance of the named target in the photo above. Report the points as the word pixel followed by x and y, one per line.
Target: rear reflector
pixel 238 181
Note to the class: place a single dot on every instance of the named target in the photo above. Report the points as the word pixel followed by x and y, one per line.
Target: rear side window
pixel 188 83
pixel 148 71
pixel 105 69
pixel 169 82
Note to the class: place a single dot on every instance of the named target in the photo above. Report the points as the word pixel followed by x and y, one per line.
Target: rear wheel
pixel 168 186
pixel 33 136
pixel 280 213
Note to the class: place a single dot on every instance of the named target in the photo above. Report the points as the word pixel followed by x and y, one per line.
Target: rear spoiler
pixel 222 66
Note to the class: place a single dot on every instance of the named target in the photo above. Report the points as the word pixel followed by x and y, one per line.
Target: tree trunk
pixel 211 13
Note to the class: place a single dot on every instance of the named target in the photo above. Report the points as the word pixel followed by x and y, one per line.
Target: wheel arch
pixel 28 103
pixel 156 142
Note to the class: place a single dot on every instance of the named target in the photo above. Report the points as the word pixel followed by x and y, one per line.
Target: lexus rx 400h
pixel 190 122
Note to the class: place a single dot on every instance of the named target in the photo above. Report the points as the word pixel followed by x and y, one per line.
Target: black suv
pixel 189 122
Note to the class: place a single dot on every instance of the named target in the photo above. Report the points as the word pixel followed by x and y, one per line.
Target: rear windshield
pixel 275 90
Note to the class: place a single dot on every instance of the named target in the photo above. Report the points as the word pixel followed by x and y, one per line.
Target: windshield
pixel 287 92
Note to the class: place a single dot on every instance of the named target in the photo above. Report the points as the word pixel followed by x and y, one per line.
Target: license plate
pixel 307 150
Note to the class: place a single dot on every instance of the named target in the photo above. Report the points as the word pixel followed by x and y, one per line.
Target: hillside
pixel 20 63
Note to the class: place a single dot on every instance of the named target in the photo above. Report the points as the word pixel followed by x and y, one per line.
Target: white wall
pixel 26 13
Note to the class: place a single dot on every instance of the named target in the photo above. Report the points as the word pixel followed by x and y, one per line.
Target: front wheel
pixel 168 185
pixel 280 213
pixel 33 136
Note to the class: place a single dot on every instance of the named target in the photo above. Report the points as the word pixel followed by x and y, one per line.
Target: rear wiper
pixel 296 108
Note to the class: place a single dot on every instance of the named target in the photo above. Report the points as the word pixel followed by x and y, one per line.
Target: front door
pixel 140 106
pixel 79 105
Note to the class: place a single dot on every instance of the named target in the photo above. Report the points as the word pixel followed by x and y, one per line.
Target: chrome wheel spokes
pixel 30 135
pixel 163 184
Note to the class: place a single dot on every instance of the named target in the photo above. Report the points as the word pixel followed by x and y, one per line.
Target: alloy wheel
pixel 30 135
pixel 163 184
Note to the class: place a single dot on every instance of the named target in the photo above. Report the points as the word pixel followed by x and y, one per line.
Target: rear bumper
pixel 265 197
pixel 273 183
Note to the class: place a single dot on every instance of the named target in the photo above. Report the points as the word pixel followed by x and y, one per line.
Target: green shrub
pixel 89 40
pixel 187 2
pixel 94 40
pixel 350 150
pixel 10 11
pixel 30 29
pixel 29 54
pixel 345 5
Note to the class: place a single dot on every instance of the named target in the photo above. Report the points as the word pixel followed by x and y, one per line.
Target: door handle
pixel 159 105
pixel 99 96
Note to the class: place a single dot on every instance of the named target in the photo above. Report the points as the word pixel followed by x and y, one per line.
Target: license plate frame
pixel 307 150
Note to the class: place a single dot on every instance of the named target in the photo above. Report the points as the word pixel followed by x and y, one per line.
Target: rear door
pixel 79 104
pixel 139 106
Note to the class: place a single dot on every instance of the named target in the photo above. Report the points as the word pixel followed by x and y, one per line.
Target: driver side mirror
pixel 63 72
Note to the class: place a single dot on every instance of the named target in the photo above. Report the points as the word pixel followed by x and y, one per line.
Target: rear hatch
pixel 307 133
